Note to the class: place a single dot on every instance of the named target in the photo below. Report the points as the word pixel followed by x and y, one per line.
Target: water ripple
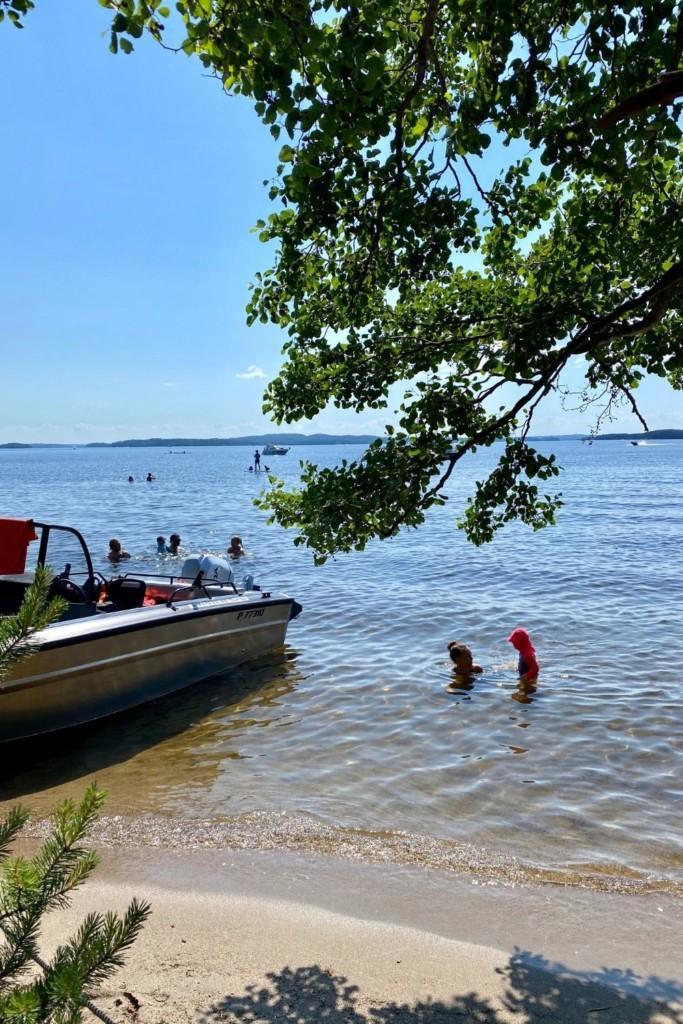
pixel 347 739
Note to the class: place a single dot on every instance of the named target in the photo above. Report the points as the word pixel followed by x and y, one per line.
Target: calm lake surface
pixel 346 741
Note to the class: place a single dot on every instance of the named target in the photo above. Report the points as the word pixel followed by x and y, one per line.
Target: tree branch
pixel 660 294
pixel 665 91
pixel 422 55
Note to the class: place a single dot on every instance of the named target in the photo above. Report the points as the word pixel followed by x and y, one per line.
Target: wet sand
pixel 273 937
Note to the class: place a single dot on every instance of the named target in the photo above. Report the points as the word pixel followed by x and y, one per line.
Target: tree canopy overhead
pixel 406 253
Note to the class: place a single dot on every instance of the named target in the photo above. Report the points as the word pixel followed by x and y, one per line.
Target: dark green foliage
pixel 31 887
pixel 36 612
pixel 15 10
pixel 403 256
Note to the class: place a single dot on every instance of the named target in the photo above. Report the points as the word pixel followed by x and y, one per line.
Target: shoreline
pixel 299 834
pixel 288 937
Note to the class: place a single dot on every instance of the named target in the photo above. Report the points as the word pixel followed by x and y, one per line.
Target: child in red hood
pixel 527 666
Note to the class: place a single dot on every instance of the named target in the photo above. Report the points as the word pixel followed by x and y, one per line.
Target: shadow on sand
pixel 533 989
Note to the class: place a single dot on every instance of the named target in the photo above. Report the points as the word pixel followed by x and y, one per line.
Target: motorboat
pixel 275 449
pixel 126 639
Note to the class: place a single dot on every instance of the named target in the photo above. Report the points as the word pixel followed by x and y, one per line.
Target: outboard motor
pixel 213 569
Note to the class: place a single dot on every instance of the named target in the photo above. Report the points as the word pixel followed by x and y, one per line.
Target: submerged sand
pixel 275 938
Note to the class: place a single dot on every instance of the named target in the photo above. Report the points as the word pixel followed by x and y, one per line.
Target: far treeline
pixel 319 439
pixel 219 442
pixel 651 435
pixel 255 439
pixel 469 194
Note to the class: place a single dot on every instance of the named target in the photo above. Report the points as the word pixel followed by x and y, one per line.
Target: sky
pixel 130 186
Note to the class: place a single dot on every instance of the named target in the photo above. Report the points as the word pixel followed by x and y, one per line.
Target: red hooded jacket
pixel 521 641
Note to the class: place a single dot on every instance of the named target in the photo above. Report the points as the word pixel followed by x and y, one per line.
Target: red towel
pixel 15 536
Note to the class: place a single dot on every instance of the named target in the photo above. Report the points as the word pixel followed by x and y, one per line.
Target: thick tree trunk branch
pixel 661 295
pixel 665 91
pixel 421 62
pixel 591 337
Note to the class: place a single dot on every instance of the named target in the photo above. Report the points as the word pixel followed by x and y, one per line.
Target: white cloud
pixel 170 384
pixel 251 373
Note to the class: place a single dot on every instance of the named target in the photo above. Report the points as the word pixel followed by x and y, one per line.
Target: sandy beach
pixel 278 938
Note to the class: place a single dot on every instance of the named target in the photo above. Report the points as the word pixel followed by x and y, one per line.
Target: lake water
pixel 346 741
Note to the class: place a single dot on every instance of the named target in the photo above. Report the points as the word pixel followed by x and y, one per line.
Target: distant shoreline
pixel 293 440
pixel 257 440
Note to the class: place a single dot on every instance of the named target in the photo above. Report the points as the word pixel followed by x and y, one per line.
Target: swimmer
pixel 161 545
pixel 463 666
pixel 527 665
pixel 131 479
pixel 116 552
pixel 150 477
pixel 235 549
pixel 173 544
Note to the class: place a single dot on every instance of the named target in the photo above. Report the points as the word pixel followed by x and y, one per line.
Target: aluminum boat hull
pixel 90 667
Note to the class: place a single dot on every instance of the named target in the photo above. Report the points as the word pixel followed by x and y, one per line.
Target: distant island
pixel 650 435
pixel 227 442
pixel 258 440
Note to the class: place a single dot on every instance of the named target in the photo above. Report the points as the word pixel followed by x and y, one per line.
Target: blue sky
pixel 130 185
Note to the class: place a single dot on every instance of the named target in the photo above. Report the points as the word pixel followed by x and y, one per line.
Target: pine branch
pixel 10 828
pixel 29 887
pixel 37 611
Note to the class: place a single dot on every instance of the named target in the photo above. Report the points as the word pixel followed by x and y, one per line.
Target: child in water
pixel 463 666
pixel 527 666
pixel 161 545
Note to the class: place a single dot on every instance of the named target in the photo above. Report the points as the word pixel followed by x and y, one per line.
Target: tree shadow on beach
pixel 532 989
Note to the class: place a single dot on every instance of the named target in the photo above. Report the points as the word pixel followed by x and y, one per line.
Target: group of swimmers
pixel 117 553
pixel 148 478
pixel 173 546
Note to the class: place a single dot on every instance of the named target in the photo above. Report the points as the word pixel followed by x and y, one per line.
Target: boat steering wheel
pixel 61 586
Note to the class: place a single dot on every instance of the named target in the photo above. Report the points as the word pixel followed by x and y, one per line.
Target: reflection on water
pixel 524 692
pixel 147 753
pixel 350 732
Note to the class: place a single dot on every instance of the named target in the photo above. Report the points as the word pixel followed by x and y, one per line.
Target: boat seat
pixel 125 593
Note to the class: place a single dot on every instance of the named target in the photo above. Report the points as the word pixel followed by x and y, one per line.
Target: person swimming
pixel 131 479
pixel 116 552
pixel 173 544
pixel 150 477
pixel 161 545
pixel 463 666
pixel 235 549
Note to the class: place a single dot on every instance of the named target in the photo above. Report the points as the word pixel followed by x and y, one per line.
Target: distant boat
pixel 275 449
pixel 636 444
